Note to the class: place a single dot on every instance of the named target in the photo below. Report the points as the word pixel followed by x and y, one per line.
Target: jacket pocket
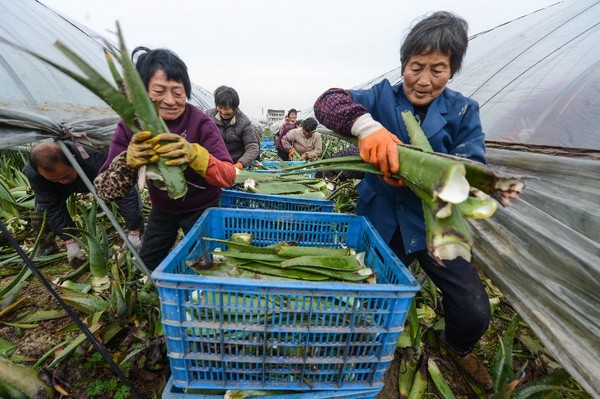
pixel 365 191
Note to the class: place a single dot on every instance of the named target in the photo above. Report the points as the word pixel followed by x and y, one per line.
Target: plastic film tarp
pixel 537 80
pixel 37 101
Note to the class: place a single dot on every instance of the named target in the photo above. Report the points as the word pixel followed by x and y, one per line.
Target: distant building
pixel 274 115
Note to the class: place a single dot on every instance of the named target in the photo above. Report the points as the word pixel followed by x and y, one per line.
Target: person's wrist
pixel 364 126
pixel 134 232
pixel 70 241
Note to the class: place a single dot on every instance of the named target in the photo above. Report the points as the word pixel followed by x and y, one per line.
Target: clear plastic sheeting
pixel 537 78
pixel 33 91
pixel 544 254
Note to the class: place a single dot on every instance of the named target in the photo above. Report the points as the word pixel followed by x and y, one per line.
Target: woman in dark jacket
pixel 431 54
pixel 235 127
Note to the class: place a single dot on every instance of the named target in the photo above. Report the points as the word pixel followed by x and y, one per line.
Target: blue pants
pixel 466 304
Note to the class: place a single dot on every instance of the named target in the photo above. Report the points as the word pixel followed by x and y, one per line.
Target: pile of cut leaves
pixel 274 183
pixel 285 260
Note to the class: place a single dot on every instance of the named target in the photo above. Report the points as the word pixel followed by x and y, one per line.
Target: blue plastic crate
pixel 172 392
pixel 245 200
pixel 266 145
pixel 281 164
pixel 235 333
pixel 280 167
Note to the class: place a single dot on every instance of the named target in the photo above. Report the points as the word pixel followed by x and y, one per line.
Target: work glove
pixel 239 165
pixel 380 149
pixel 140 151
pixel 135 239
pixel 179 151
pixel 75 257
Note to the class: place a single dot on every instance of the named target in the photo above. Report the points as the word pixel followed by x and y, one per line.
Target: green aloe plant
pixel 451 188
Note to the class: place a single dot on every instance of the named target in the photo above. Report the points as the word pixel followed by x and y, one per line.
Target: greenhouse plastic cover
pixel 537 80
pixel 51 102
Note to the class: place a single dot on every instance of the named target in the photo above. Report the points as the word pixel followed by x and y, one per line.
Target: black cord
pixel 99 347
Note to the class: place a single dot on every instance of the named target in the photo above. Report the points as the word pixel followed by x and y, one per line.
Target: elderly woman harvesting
pixel 430 55
pixel 194 141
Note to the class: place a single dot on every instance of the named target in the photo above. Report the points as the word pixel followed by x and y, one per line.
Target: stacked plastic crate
pixel 302 339
pixel 245 200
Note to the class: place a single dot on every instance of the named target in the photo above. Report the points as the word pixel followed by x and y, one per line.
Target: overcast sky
pixel 280 54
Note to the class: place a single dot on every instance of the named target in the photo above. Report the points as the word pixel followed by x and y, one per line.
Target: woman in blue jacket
pixel 430 55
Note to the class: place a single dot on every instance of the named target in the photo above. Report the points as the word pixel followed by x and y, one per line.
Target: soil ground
pixel 75 376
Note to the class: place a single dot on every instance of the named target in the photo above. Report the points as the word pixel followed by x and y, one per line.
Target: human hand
pixel 134 238
pixel 394 182
pixel 239 165
pixel 303 156
pixel 380 149
pixel 179 151
pixel 75 257
pixel 291 153
pixel 140 151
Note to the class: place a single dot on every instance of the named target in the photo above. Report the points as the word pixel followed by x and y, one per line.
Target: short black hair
pixel 292 111
pixel 227 97
pixel 441 31
pixel 152 60
pixel 47 155
pixel 310 124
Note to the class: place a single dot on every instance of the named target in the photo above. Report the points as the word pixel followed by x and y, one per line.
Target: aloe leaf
pixel 70 348
pixel 439 381
pixel 87 303
pixel 415 133
pixel 443 178
pixel 309 195
pixel 241 247
pixel 334 274
pixel 119 81
pixel 448 237
pixel 10 290
pixel 173 177
pixel 337 263
pixel 502 185
pixel 41 315
pixel 96 83
pixel 143 105
pixel 406 374
pixel 503 360
pixel 278 188
pixel 25 379
pixel 284 273
pixel 478 205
